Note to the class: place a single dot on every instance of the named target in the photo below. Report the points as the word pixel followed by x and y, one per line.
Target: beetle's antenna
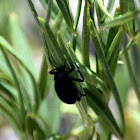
pixel 51 62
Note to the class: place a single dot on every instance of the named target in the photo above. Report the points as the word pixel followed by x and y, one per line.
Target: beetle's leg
pixel 53 71
pixel 51 62
pixel 71 70
pixel 78 97
pixel 83 94
pixel 76 79
pixel 79 72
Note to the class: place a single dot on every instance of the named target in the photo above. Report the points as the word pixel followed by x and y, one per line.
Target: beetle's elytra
pixel 64 87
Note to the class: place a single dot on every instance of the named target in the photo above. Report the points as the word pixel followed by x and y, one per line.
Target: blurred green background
pixel 29 28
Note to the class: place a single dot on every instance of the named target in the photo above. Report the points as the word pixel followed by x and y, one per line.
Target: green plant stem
pixel 100 3
pixel 64 7
pixel 127 47
pixel 99 50
pixel 77 15
pixel 35 15
pixel 114 45
pixel 33 11
pixel 17 85
pixel 120 20
pixel 86 35
pixel 50 2
pixel 57 22
pixel 26 135
pixel 131 74
pixel 110 5
pixel 74 36
pixel 88 123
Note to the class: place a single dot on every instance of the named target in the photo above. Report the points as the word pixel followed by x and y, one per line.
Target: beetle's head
pixel 61 71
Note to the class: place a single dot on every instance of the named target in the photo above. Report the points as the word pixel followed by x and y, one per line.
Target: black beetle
pixel 64 87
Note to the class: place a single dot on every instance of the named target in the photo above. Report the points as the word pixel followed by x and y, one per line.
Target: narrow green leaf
pixel 101 109
pixel 113 52
pixel 99 51
pixel 86 35
pixel 100 3
pixel 35 15
pixel 5 45
pixel 55 8
pixel 21 49
pixel 11 88
pixel 110 5
pixel 91 77
pixel 43 116
pixel 52 119
pixel 91 1
pixel 50 3
pixel 33 125
pixel 74 34
pixel 63 5
pixel 54 114
pixel 17 85
pixel 115 45
pixel 27 98
pixel 52 43
pixel 64 47
pixel 122 19
pixel 8 113
pixel 123 84
pixel 32 8
pixel 5 72
pixel 127 6
pixel 110 37
pixel 5 77
pixel 104 132
pixel 43 78
pixel 99 14
pixel 137 42
pixel 20 44
pixel 7 92
pixel 123 6
pixel 77 15
pixel 12 107
pixel 132 76
pixel 127 47
pixel 57 23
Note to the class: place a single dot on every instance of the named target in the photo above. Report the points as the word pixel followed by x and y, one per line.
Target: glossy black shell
pixel 65 89
pixel 64 86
